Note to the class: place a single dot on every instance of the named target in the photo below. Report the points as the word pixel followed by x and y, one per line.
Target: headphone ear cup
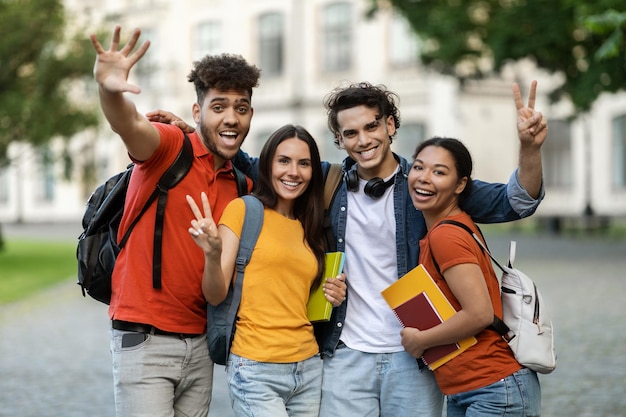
pixel 352 180
pixel 375 187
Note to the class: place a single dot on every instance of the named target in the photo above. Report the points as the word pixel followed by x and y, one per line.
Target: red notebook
pixel 418 312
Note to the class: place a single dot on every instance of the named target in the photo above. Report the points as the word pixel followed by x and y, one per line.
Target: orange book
pixel 424 311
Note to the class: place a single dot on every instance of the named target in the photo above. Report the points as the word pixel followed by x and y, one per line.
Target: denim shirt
pixel 488 203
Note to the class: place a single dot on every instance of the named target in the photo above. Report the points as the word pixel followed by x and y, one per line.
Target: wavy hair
pixel 361 94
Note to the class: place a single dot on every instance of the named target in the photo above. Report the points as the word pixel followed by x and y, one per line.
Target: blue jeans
pixel 378 384
pixel 263 389
pixel 161 376
pixel 518 395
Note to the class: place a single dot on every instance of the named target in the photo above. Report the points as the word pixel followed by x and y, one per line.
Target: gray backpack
pixel 221 319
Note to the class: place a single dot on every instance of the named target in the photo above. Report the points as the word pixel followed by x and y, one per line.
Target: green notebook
pixel 318 308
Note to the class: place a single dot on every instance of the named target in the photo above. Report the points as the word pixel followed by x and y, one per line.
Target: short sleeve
pixel 450 245
pixel 233 216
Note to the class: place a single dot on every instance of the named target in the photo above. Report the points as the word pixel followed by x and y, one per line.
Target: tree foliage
pixel 475 38
pixel 39 63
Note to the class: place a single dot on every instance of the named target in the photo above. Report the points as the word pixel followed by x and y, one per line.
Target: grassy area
pixel 28 266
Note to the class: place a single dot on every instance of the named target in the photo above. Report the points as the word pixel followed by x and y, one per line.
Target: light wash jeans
pixel 518 395
pixel 263 389
pixel 164 376
pixel 378 384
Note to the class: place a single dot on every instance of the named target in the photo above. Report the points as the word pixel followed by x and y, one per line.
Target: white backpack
pixel 525 325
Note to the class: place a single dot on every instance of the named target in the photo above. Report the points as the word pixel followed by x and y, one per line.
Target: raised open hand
pixel 113 66
pixel 203 229
pixel 532 129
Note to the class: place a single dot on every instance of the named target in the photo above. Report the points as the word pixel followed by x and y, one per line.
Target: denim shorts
pixel 518 395
pixel 264 389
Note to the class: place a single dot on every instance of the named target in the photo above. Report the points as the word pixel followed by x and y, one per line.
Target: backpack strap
pixel 252 223
pixel 242 183
pixel 331 185
pixel 498 325
pixel 174 174
pixel 483 246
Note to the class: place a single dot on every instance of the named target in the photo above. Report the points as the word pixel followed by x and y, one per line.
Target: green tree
pixel 461 36
pixel 40 60
pixel 611 24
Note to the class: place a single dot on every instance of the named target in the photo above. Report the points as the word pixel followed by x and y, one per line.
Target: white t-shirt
pixel 371 266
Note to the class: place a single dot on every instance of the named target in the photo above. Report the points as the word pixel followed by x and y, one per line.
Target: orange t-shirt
pixel 490 359
pixel 179 306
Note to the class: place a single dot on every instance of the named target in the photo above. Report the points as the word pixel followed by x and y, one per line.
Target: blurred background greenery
pixel 29 266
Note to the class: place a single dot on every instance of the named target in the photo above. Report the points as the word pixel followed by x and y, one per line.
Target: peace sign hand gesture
pixel 203 229
pixel 532 129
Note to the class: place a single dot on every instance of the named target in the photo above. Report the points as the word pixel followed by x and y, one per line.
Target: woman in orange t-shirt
pixel 485 380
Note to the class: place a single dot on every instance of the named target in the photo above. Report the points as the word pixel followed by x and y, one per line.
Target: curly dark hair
pixel 223 72
pixel 360 94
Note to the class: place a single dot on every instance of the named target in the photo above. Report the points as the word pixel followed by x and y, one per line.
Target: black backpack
pixel 98 248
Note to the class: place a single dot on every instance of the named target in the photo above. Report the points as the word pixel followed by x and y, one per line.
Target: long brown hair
pixel 308 207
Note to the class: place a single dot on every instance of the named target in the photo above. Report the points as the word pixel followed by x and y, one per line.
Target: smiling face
pixel 291 173
pixel 223 122
pixel 364 134
pixel 434 183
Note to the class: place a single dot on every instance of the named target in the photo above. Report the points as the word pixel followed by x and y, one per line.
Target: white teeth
pixel 291 184
pixel 424 192
pixel 368 152
pixel 232 134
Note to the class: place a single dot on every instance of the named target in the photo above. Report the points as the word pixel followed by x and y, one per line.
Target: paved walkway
pixel 55 362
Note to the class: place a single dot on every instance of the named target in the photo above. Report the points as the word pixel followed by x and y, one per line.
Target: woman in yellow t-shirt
pixel 274 367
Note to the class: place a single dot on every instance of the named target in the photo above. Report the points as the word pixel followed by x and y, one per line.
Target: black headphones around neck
pixel 374 188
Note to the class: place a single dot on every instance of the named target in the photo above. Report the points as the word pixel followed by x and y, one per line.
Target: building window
pixel 619 151
pixel 208 39
pixel 557 155
pixel 46 177
pixel 271 44
pixel 408 136
pixel 403 43
pixel 146 67
pixel 336 37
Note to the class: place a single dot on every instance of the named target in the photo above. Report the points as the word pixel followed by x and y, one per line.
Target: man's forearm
pixel 140 137
pixel 120 112
pixel 530 173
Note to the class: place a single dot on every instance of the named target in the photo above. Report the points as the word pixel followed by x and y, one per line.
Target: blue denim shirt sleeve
pixel 500 203
pixel 520 200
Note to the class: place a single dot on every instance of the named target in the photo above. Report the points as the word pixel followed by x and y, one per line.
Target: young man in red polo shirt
pixel 160 355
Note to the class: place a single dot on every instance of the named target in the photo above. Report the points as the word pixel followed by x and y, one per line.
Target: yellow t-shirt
pixel 273 324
